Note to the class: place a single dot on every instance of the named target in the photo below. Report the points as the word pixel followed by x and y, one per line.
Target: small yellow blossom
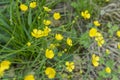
pixel 107 0
pixel 70 66
pixel 95 60
pixel 23 7
pixel 56 16
pixel 46 31
pixel 4 65
pixel 107 51
pixel 46 22
pixel 58 37
pixel 99 38
pixel 33 4
pixel 85 15
pixel 49 53
pixel 28 44
pixel 50 72
pixel 37 33
pixel 118 33
pixel 46 9
pixel 69 41
pixel 92 32
pixel 118 45
pixel 29 77
pixel 108 70
pixel 96 23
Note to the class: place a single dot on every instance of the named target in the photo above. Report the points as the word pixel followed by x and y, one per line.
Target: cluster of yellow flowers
pixel 24 7
pixel 40 33
pixel 4 65
pixel 98 36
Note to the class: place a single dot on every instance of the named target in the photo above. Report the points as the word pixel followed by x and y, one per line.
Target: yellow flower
pixel 118 45
pixel 107 0
pixel 5 64
pixel 33 4
pixel 108 70
pixel 92 32
pixel 95 60
pixel 118 33
pixel 96 23
pixel 46 22
pixel 58 37
pixel 23 7
pixel 46 31
pixel 46 9
pixel 37 33
pixel 50 72
pixel 28 44
pixel 85 15
pixel 56 16
pixel 99 38
pixel 29 77
pixel 49 53
pixel 1 73
pixel 107 51
pixel 69 41
pixel 70 66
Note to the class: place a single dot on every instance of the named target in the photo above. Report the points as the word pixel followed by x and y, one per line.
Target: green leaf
pixel 29 18
pixel 85 40
pixel 74 4
pixel 115 77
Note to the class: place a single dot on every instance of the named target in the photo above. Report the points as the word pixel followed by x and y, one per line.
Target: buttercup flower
pixel 46 9
pixel 23 7
pixel 50 72
pixel 118 33
pixel 92 32
pixel 46 31
pixel 58 37
pixel 108 70
pixel 37 33
pixel 96 23
pixel 4 65
pixel 70 66
pixel 56 16
pixel 46 22
pixel 95 60
pixel 49 53
pixel 28 44
pixel 99 38
pixel 29 77
pixel 33 4
pixel 69 41
pixel 85 15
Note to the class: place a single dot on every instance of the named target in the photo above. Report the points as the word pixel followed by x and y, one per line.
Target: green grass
pixel 16 27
